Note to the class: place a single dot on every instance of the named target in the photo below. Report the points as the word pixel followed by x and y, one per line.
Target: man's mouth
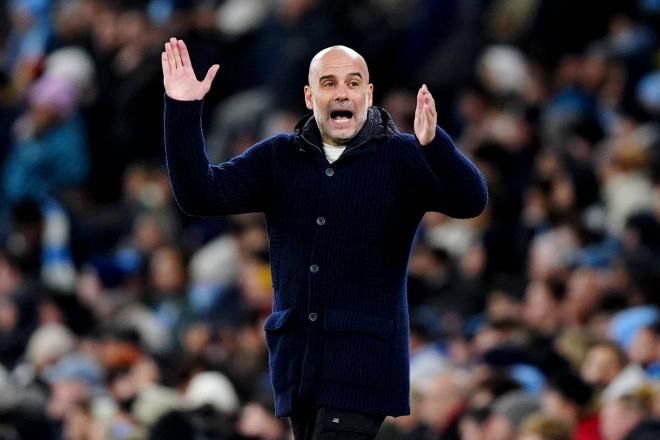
pixel 341 115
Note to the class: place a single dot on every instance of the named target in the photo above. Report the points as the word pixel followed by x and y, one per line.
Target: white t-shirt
pixel 332 152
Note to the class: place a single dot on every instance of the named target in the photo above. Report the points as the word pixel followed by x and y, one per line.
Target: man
pixel 342 195
pixel 628 417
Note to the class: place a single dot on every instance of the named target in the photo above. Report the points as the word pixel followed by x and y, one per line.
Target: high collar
pixel 379 125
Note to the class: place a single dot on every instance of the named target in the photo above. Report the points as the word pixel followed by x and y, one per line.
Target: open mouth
pixel 341 115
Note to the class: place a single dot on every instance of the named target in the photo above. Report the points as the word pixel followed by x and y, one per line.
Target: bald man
pixel 342 197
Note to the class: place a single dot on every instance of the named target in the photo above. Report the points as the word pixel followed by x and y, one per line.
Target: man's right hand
pixel 178 75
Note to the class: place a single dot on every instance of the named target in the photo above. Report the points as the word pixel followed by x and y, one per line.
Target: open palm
pixel 426 116
pixel 178 75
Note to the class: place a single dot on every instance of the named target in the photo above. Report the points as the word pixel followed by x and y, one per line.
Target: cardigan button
pixel 312 316
pixel 320 221
pixel 329 172
pixel 314 268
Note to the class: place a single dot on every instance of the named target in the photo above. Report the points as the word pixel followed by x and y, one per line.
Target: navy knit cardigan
pixel 340 238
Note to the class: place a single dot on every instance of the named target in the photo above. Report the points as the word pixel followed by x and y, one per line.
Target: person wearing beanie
pixel 568 397
pixel 509 411
pixel 50 153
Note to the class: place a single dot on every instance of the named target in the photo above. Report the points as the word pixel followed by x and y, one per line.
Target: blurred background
pixel 122 318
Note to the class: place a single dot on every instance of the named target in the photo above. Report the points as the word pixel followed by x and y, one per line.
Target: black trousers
pixel 322 423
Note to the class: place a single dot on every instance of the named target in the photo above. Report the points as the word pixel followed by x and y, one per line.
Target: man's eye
pixel 354 84
pixel 327 84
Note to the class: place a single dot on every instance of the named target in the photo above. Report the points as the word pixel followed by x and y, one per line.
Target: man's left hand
pixel 426 118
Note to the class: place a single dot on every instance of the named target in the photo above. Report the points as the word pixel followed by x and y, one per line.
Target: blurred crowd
pixel 122 318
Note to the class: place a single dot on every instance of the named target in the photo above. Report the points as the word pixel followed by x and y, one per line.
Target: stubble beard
pixel 323 122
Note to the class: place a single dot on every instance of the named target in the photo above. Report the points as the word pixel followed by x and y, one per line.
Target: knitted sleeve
pixel 442 179
pixel 237 186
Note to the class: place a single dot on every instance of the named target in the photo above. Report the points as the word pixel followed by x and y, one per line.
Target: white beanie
pixel 212 388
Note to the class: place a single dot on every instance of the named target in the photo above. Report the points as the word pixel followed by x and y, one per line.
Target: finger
pixel 426 91
pixel 185 56
pixel 170 57
pixel 420 100
pixel 429 113
pixel 177 54
pixel 165 64
pixel 430 102
pixel 210 75
pixel 428 99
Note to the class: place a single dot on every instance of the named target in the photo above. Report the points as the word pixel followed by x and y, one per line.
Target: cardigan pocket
pixel 281 343
pixel 357 348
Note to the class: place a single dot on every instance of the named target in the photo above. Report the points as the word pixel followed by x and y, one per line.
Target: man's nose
pixel 341 92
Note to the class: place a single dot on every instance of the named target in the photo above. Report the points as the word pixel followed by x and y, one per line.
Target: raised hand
pixel 178 75
pixel 426 118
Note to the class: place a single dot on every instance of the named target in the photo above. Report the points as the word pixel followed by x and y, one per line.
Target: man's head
pixel 604 361
pixel 339 93
pixel 509 411
pixel 567 396
pixel 443 397
pixel 620 416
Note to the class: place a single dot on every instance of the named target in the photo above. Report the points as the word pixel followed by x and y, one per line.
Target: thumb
pixel 210 75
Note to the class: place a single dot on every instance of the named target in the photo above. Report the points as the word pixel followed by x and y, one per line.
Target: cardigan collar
pixel 379 125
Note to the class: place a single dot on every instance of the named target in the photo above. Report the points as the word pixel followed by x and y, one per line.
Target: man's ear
pixel 308 98
pixel 370 94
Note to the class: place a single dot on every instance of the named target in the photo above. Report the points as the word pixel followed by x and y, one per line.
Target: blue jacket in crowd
pixel 340 237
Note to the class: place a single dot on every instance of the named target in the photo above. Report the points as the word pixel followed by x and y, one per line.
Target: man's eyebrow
pixel 324 77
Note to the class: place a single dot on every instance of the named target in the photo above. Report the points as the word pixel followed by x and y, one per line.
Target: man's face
pixel 340 94
pixel 601 365
pixel 617 420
